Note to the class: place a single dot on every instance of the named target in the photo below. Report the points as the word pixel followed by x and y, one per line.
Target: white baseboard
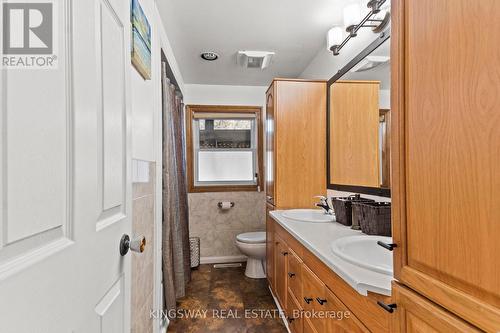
pixel 222 260
pixel 280 310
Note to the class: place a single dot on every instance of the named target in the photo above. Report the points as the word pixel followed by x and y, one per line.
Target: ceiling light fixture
pixel 352 15
pixel 209 56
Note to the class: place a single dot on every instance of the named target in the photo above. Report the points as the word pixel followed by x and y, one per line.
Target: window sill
pixel 235 188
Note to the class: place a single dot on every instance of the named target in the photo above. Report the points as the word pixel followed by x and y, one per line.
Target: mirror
pixel 359 122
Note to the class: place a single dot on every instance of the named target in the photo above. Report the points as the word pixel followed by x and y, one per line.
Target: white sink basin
pixel 364 251
pixel 308 215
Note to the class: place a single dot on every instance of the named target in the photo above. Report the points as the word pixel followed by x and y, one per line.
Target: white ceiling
pixel 294 29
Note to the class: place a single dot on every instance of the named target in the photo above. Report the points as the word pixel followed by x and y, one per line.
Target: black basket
pixel 343 208
pixel 357 215
pixel 374 217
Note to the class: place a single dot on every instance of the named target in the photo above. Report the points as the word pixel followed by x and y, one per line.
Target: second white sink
pixel 308 215
pixel 364 251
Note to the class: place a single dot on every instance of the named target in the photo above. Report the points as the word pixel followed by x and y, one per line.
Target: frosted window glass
pixel 225 166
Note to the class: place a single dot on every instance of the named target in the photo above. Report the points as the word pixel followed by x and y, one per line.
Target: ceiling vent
pixel 255 59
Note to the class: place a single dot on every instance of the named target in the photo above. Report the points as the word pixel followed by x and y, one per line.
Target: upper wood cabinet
pixel 446 154
pixel 354 133
pixel 296 143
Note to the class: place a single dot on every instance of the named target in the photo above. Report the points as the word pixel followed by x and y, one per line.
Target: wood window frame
pixel 222 109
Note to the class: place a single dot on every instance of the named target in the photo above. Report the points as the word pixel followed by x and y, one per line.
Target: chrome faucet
pixel 323 203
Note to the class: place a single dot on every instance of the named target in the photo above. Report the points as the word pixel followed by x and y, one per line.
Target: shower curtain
pixel 175 235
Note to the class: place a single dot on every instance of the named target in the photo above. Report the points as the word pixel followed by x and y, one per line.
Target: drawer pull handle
pixel 291 275
pixel 284 253
pixel 387 307
pixel 290 320
pixel 389 247
pixel 321 301
pixel 307 300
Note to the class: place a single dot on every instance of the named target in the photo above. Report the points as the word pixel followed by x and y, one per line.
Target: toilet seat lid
pixel 252 237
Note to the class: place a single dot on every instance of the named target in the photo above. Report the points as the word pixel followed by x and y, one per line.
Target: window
pixel 224 148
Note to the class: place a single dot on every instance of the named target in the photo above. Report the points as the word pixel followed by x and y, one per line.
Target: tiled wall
pixel 217 229
pixel 143 263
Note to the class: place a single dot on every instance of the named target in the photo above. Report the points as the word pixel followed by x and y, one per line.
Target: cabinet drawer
pixel 340 319
pixel 313 289
pixel 416 314
pixel 294 315
pixel 295 275
pixel 308 327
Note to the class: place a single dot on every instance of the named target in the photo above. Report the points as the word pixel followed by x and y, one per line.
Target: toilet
pixel 253 245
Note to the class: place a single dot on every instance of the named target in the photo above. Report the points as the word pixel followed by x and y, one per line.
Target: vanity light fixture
pixel 352 14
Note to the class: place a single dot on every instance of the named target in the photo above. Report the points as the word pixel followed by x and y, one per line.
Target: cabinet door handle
pixel 321 301
pixel 389 247
pixel 307 300
pixel 387 307
pixel 284 253
pixel 291 275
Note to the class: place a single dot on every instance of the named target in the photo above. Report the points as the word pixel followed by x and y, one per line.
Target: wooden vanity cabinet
pixel 416 314
pixel 304 283
pixel 445 156
pixel 295 149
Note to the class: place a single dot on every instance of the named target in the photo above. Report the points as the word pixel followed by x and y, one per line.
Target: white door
pixel 65 194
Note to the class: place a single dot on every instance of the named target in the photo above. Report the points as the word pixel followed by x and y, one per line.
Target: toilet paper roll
pixel 225 205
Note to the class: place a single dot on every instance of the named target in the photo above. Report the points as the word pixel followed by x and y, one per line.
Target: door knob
pixel 136 245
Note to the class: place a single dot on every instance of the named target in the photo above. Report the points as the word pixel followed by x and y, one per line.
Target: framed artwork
pixel 141 41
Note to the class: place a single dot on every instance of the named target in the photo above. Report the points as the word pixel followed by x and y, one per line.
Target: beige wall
pixel 216 228
pixel 143 224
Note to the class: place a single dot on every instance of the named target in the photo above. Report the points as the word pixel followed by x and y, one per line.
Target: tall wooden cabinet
pixel 446 158
pixel 295 143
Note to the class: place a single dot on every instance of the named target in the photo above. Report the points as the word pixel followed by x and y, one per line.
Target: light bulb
pixel 335 36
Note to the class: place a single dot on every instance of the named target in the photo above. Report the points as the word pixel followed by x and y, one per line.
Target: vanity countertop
pixel 317 237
